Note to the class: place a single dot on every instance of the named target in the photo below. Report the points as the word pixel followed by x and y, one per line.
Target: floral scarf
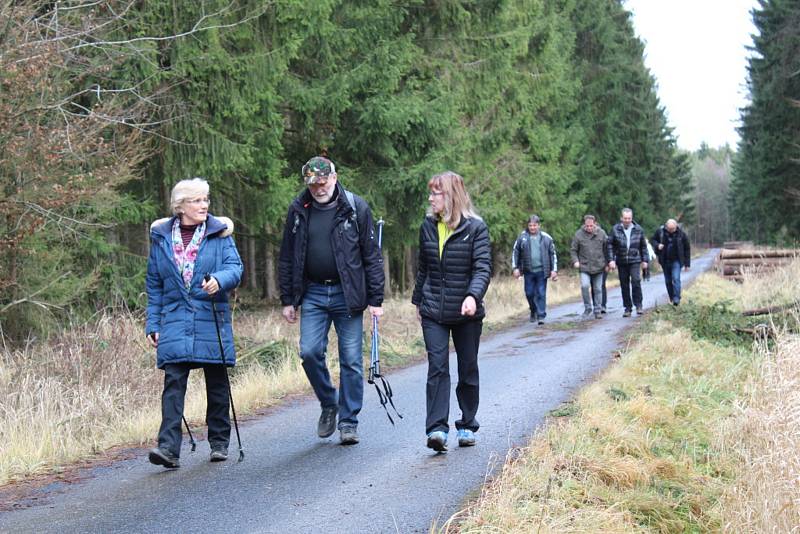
pixel 185 257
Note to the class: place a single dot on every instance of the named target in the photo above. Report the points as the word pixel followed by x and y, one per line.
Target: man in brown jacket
pixel 589 254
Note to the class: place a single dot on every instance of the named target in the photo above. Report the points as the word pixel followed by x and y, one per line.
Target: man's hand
pixel 660 246
pixel 210 287
pixel 553 276
pixel 516 273
pixel 686 268
pixel 419 315
pixel 376 311
pixel 290 314
pixel 612 265
pixel 153 339
pixel 644 265
pixel 469 306
pixel 577 265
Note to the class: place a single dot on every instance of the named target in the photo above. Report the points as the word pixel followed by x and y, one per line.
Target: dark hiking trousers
pixel 176 376
pixel 466 339
pixel 630 278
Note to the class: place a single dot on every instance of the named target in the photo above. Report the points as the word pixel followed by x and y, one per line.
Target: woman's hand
pixel 469 306
pixel 153 339
pixel 211 286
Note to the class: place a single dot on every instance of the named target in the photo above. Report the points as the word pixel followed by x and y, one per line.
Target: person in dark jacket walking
pixel 534 258
pixel 453 274
pixel 589 254
pixel 331 268
pixel 180 322
pixel 674 251
pixel 628 252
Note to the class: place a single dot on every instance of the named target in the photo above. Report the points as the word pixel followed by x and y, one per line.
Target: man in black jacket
pixel 331 267
pixel 672 247
pixel 628 252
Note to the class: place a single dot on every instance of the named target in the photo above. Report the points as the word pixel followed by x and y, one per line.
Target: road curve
pixel 292 481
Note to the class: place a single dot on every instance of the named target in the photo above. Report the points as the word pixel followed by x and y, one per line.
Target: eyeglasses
pixel 198 201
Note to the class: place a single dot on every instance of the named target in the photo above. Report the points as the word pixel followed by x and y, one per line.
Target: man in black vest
pixel 331 268
pixel 672 246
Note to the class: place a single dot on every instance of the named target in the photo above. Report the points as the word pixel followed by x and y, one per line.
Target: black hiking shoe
pixel 626 313
pixel 219 454
pixel 639 311
pixel 437 441
pixel 348 435
pixel 533 318
pixel 159 456
pixel 327 422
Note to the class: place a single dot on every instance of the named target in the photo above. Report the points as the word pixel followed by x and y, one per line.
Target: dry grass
pixel 765 437
pixel 642 463
pixel 681 436
pixel 94 386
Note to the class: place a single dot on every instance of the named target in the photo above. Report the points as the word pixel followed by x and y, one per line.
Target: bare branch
pixel 29 298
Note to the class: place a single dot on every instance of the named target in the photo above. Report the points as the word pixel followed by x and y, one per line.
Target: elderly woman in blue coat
pixel 180 322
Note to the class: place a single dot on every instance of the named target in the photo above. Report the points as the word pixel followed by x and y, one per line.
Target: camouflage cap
pixel 317 168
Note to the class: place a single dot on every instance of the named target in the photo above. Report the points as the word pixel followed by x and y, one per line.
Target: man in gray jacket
pixel 534 257
pixel 589 254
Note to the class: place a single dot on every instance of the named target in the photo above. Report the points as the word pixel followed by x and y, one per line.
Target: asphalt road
pixel 292 481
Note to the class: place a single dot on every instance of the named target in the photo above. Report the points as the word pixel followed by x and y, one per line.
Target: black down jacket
pixel 464 269
pixel 618 249
pixel 355 247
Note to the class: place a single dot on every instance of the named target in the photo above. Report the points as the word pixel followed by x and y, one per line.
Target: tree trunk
pixel 270 276
pixel 387 286
pixel 410 268
pixel 251 264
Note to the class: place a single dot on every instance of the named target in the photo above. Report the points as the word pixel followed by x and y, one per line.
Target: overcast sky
pixel 696 51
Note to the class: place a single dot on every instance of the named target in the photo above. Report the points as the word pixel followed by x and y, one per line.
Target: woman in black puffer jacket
pixel 455 266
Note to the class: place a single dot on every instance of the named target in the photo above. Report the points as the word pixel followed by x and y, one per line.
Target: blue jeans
pixel 672 279
pixel 536 292
pixel 591 291
pixel 323 305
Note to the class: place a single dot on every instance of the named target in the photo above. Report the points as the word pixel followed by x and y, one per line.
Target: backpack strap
pixel 352 201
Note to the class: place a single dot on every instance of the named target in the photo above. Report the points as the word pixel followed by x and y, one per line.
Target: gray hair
pixel 186 189
pixel 626 210
pixel 589 217
pixel 533 219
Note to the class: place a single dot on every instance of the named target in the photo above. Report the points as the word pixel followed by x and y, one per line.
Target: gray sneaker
pixel 327 421
pixel 159 456
pixel 639 311
pixel 219 454
pixel 348 435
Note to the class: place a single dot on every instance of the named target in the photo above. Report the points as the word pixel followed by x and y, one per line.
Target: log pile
pixel 732 263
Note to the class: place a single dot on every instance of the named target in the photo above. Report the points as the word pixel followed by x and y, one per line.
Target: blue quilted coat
pixel 183 318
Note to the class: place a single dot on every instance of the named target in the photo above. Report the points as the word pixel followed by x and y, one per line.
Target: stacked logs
pixel 732 263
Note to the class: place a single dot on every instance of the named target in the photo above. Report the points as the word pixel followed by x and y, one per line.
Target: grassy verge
pixel 695 429
pixel 94 386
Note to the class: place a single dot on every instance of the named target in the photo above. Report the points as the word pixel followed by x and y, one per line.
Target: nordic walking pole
pixel 207 278
pixel 189 430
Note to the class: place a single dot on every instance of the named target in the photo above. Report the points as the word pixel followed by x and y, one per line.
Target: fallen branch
pixel 769 309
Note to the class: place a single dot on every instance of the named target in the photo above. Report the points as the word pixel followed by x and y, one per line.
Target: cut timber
pixel 751 253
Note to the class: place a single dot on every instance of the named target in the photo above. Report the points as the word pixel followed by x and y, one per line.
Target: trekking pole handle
pixel 380 224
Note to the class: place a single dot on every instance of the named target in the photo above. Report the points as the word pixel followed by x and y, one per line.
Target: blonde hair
pixel 457 203
pixel 186 189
